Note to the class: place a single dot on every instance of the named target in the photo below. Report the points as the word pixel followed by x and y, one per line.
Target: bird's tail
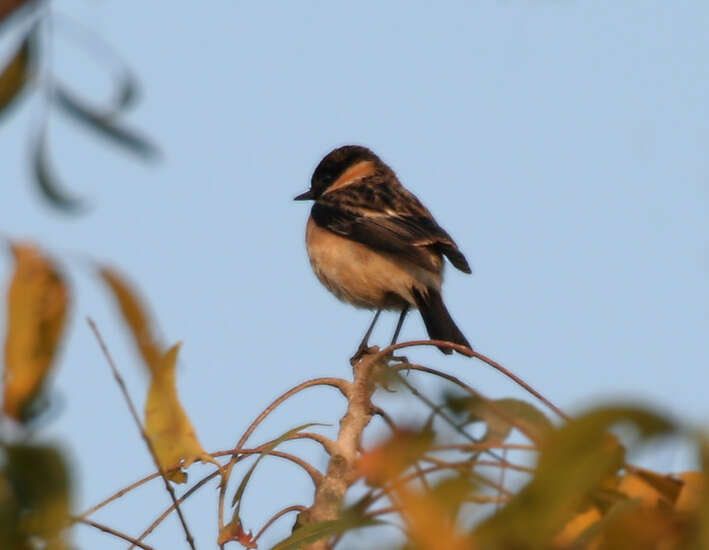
pixel 438 321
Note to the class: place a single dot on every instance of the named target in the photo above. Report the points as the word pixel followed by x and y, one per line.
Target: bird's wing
pixel 387 217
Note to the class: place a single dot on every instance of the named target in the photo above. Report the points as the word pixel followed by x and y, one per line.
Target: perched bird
pixel 374 245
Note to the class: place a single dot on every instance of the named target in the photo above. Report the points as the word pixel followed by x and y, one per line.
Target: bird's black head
pixel 334 164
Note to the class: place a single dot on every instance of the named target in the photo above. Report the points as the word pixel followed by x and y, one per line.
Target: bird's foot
pixel 362 350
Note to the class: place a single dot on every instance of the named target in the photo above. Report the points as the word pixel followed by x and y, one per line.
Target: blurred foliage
pixel 441 486
pixel 579 491
pixel 29 69
pixel 35 498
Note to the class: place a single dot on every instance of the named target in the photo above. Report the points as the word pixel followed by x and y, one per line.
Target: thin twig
pixel 470 353
pixel 106 529
pixel 277 515
pixel 343 385
pixel 313 472
pixel 118 494
pixel 172 507
pixel 495 408
pixel 139 424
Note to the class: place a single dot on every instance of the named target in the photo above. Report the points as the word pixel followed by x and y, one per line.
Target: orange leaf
pixel 577 525
pixel 166 423
pixel 37 307
pixel 388 460
pixel 234 532
pixel 690 497
pixel 135 316
pixel 427 522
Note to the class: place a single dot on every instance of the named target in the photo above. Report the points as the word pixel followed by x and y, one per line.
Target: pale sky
pixel 563 145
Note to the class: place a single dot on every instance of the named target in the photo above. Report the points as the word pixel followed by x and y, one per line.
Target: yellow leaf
pixel 37 305
pixel 135 316
pixel 636 487
pixel 690 497
pixel 577 525
pixel 166 423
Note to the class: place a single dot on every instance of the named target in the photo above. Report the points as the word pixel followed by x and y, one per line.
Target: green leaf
pixel 312 532
pixel 575 459
pixel 18 71
pixel 35 489
pixel 104 123
pixel 46 180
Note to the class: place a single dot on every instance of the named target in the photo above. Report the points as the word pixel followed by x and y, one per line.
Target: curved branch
pixel 343 385
pixel 278 515
pixel 498 411
pixel 470 353
pixel 313 472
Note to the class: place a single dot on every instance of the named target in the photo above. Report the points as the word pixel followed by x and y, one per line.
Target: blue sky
pixel 563 145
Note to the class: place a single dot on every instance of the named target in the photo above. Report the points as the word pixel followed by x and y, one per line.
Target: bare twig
pixel 139 424
pixel 470 353
pixel 495 408
pixel 276 516
pixel 110 531
pixel 343 385
pixel 118 494
pixel 313 472
pixel 174 506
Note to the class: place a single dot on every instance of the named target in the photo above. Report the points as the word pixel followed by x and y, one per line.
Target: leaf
pixel 312 532
pixel 577 526
pixel 35 488
pixel 389 459
pixel 104 123
pixel 18 71
pixel 135 316
pixel 575 459
pixel 234 532
pixel 650 488
pixel 236 501
pixel 502 415
pixel 46 181
pixel 429 522
pixel 37 307
pixel 693 488
pixel 166 423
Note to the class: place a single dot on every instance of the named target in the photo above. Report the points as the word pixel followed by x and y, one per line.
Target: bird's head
pixel 349 158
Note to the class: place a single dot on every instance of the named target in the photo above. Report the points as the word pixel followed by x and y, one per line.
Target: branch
pixel 276 516
pixel 343 385
pixel 139 424
pixel 174 506
pixel 313 472
pixel 342 468
pixel 110 531
pixel 470 353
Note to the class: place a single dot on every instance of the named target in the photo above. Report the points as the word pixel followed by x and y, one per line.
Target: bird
pixel 374 245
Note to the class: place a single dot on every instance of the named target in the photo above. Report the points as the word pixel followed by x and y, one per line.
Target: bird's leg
pixel 363 347
pixel 400 324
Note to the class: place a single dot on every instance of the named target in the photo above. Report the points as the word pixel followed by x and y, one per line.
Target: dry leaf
pixel 135 316
pixel 166 423
pixel 234 532
pixel 37 307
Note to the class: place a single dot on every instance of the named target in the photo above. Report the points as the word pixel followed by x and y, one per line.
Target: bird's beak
pixel 307 196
